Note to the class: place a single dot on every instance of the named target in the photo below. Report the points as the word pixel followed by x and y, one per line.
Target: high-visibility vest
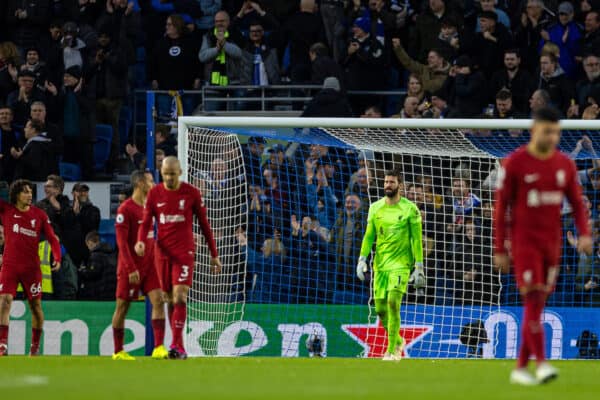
pixel 44 252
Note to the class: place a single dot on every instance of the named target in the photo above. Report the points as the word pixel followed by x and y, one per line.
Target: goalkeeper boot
pixel 177 354
pixel 3 349
pixel 523 377
pixel 122 355
pixel 160 353
pixel 392 357
pixel 399 352
pixel 546 373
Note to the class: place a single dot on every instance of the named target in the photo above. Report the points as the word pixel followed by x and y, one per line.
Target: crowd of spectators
pixel 79 61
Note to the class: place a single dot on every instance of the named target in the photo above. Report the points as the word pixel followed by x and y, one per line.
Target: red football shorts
pixel 29 277
pixel 172 273
pixel 148 282
pixel 536 267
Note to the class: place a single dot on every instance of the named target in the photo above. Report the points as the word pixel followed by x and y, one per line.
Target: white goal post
pixel 449 168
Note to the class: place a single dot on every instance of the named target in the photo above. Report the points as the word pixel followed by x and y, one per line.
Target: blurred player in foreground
pixel 136 273
pixel 23 224
pixel 396 223
pixel 173 204
pixel 531 186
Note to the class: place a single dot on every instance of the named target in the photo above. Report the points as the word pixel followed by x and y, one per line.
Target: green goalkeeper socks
pixel 393 323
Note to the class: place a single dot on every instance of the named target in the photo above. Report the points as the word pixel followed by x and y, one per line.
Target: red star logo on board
pixel 373 337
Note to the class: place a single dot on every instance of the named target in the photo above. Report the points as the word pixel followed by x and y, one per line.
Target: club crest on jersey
pixel 33 223
pixel 561 178
pixel 181 204
pixel 162 218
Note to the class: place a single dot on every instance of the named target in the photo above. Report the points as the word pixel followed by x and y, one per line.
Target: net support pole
pixel 150 162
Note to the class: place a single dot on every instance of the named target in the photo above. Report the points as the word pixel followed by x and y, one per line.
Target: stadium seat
pixel 101 152
pixel 69 171
pixel 107 231
pixel 104 131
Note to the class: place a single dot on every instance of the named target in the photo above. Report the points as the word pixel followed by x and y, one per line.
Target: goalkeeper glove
pixel 361 268
pixel 417 278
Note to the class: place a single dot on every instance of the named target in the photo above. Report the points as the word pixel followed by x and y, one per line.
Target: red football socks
pixel 3 334
pixel 118 337
pixel 178 323
pixel 158 327
pixel 532 330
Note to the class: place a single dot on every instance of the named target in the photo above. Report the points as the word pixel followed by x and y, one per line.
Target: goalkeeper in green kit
pixel 394 223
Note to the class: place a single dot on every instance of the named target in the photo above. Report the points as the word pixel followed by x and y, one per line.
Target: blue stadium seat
pixel 107 231
pixel 104 131
pixel 70 171
pixel 101 152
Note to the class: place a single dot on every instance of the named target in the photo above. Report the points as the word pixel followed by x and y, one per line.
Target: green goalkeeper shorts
pixel 386 281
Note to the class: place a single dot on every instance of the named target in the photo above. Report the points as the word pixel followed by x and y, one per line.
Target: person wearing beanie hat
pixel 566 34
pixel 365 63
pixel 20 100
pixel 74 72
pixel 329 102
pixel 490 43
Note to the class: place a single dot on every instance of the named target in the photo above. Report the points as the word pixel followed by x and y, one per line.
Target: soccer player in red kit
pixel 135 273
pixel 23 225
pixel 530 190
pixel 173 205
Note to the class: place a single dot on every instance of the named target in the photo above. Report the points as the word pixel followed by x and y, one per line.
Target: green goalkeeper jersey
pixel 398 231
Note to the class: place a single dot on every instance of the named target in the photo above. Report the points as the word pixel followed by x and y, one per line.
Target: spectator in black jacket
pixel 55 204
pixel 125 23
pixel 365 63
pixel 21 99
pixel 80 219
pixel 78 121
pixel 34 64
pixel 174 62
pixel 553 80
pixel 591 66
pixel 36 159
pixel 590 42
pixel 329 102
pixel 26 20
pixel 490 43
pixel 517 80
pixel 504 106
pixel 324 66
pixel 301 31
pixel 51 131
pixel 469 87
pixel 527 34
pixel 165 141
pixel 98 278
pixel 108 76
pixel 9 139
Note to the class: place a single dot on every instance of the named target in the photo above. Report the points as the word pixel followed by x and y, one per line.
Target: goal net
pixel 288 201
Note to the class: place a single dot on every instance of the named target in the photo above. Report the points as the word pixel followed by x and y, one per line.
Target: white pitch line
pixel 24 381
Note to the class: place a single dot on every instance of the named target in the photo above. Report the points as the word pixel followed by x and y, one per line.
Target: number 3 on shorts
pixel 185 271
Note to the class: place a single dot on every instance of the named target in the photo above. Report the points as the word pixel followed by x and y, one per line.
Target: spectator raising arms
pixel 433 74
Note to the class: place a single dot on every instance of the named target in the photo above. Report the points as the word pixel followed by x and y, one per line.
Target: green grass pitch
pixel 84 378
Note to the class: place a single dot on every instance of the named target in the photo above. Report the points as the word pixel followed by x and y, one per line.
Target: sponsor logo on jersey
pixel 535 198
pixel 24 231
pixel 167 219
pixel 120 218
pixel 175 51
pixel 530 178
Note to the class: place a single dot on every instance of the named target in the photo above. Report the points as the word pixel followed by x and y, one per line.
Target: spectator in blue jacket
pixel 566 34
pixel 321 200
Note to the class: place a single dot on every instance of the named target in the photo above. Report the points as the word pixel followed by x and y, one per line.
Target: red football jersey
pixel 174 211
pixel 532 190
pixel 22 232
pixel 128 221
